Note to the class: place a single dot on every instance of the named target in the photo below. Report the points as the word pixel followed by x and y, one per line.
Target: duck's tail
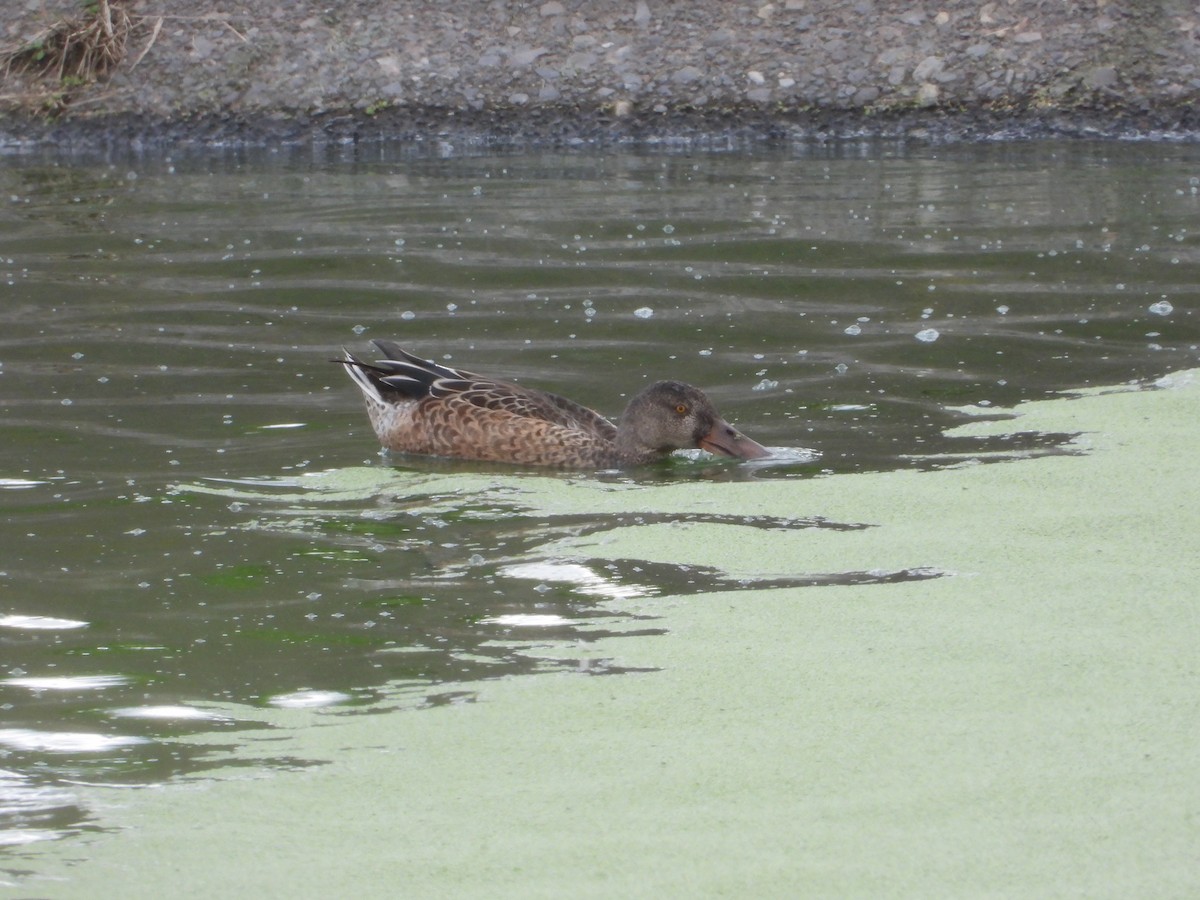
pixel 399 376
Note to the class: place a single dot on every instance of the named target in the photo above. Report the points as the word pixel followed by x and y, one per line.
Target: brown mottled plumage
pixel 419 406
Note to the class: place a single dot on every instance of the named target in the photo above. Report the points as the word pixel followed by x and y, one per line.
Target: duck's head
pixel 670 415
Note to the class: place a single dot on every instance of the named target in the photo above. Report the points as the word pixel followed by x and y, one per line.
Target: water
pixel 197 525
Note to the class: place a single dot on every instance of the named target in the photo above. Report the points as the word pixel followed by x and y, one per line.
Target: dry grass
pixel 71 52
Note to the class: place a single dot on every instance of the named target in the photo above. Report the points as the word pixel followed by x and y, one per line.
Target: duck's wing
pixel 526 403
pixel 401 375
pixel 404 377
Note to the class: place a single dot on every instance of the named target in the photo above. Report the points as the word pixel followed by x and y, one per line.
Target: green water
pixel 202 555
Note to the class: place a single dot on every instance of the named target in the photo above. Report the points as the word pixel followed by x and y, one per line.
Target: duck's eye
pixel 681 409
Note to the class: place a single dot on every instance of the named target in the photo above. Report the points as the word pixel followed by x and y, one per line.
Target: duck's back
pixel 418 406
pixel 505 432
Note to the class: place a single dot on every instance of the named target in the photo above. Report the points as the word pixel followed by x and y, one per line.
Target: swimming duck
pixel 419 406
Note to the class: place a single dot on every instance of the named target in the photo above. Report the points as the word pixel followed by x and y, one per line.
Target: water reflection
pixel 199 536
pixel 31 812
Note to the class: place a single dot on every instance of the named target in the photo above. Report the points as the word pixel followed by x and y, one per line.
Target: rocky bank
pixel 594 71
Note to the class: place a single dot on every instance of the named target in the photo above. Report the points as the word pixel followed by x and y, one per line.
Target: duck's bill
pixel 725 440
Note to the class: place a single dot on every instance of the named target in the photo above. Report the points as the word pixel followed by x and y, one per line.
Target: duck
pixel 418 406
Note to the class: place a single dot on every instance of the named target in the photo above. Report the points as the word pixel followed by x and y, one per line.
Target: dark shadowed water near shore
pixel 197 524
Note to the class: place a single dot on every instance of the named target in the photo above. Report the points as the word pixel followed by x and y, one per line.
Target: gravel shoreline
pixel 711 72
